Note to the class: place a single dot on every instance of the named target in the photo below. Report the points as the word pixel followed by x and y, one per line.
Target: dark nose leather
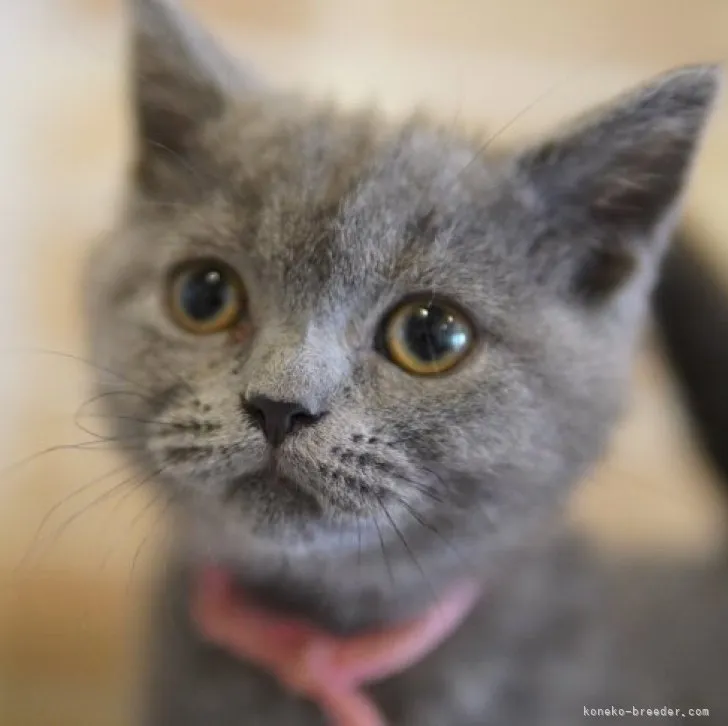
pixel 278 419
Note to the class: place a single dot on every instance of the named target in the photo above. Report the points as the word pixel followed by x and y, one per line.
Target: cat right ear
pixel 180 79
pixel 609 188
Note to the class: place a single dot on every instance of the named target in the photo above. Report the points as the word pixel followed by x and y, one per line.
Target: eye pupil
pixel 432 333
pixel 204 294
pixel 426 337
pixel 205 297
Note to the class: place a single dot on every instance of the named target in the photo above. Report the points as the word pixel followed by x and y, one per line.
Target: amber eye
pixel 205 296
pixel 427 337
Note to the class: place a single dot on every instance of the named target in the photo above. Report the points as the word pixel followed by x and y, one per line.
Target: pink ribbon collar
pixel 328 670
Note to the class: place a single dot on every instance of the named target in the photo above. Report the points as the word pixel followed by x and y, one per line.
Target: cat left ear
pixel 618 175
pixel 180 78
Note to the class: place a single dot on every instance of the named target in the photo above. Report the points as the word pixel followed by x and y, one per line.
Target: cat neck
pixel 343 594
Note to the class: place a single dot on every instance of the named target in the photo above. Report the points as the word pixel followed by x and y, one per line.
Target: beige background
pixel 73 552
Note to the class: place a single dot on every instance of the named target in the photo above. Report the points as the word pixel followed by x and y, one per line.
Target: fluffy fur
pixel 408 482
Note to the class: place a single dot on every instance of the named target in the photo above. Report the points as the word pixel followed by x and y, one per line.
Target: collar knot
pixel 328 670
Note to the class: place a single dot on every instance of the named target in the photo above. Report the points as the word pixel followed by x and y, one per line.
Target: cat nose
pixel 278 419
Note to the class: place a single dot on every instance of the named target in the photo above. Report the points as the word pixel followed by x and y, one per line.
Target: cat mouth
pixel 297 492
pixel 277 480
pixel 271 481
pixel 276 476
pixel 270 478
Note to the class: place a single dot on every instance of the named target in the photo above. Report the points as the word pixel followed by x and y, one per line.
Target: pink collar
pixel 328 670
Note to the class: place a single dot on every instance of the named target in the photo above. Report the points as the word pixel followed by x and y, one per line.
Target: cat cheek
pixel 242 332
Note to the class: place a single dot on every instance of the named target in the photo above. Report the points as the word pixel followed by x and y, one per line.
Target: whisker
pixel 432 528
pixel 105 438
pixel 108 394
pixel 99 397
pixel 78 359
pixel 358 542
pixel 405 544
pixel 425 490
pixel 205 180
pixel 359 553
pixel 506 126
pixel 191 425
pixel 102 369
pixel 436 475
pixel 567 78
pixel 384 551
pixel 81 446
pixel 109 494
pixel 162 513
pixel 119 503
pixel 152 503
pixel 135 520
pixel 49 514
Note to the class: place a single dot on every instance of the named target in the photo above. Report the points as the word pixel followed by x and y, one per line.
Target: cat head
pixel 334 337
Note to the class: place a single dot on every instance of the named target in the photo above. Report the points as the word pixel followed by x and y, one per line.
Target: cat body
pixel 365 361
pixel 562 638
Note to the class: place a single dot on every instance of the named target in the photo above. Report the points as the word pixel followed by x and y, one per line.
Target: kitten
pixel 367 363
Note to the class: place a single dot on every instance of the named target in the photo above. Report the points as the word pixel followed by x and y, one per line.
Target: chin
pixel 266 517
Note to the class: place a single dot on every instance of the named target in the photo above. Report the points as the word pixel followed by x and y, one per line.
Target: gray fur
pixel 408 483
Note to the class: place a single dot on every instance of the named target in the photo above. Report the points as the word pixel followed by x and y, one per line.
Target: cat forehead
pixel 291 153
pixel 353 247
pixel 320 196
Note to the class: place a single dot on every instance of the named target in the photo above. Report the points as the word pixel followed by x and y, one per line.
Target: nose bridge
pixel 287 365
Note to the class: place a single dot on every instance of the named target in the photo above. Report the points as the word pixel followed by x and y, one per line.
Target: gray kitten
pixel 365 361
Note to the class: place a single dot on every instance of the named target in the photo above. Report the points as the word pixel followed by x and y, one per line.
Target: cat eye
pixel 426 337
pixel 205 296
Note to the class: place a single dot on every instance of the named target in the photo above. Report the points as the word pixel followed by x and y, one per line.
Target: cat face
pixel 331 335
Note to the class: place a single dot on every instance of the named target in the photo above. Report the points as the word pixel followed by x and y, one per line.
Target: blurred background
pixel 78 540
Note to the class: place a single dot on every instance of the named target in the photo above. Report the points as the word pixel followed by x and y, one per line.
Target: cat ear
pixel 180 79
pixel 612 183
